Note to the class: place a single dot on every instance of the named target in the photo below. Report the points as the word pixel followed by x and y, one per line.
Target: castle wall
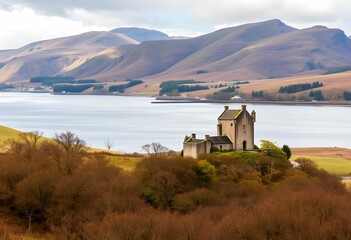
pixel 224 147
pixel 245 132
pixel 194 149
pixel 228 127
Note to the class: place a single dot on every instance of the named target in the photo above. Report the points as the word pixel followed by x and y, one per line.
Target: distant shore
pixel 160 100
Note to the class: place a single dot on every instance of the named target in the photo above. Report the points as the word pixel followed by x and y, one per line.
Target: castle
pixel 235 131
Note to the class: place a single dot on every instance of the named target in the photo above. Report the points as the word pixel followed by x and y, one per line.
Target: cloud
pixel 183 16
pixel 22 25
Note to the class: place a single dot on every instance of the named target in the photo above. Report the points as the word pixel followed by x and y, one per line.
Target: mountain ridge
pixel 141 34
pixel 268 49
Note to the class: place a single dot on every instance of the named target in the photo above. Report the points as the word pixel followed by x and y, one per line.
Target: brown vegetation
pixel 244 195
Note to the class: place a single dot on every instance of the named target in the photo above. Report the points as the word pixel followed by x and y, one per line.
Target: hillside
pixel 174 56
pixel 268 49
pixel 141 34
pixel 50 57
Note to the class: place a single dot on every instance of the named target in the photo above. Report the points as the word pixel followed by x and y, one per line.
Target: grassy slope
pixel 6 133
pixel 334 165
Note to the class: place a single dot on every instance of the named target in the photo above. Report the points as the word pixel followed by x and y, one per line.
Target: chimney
pixel 243 107
pixel 226 108
pixel 193 136
pixel 253 114
pixel 207 137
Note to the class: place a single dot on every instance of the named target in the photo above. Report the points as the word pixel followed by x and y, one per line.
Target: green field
pixel 334 165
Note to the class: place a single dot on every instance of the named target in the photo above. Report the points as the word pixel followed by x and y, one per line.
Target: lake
pixel 130 122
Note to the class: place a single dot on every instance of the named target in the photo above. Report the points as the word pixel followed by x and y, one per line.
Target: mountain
pixel 50 57
pixel 141 34
pixel 188 55
pixel 260 50
pixel 267 49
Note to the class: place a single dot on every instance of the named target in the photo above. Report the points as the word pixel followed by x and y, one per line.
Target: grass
pixel 6 133
pixel 334 165
pixel 126 162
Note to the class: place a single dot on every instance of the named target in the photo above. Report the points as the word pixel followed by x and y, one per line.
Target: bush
pixel 287 151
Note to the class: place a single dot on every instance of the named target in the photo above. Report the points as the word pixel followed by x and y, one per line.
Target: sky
pixel 26 21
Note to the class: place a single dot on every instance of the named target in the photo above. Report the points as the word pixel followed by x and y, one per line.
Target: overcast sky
pixel 25 21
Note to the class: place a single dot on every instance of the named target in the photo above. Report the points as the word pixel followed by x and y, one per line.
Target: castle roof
pixel 230 114
pixel 220 140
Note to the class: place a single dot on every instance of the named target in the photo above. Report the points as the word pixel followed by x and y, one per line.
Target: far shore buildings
pixel 235 131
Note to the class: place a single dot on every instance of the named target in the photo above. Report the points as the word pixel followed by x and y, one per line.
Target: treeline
pixel 224 94
pixel 49 81
pixel 56 186
pixel 72 88
pixel 299 87
pixel 52 80
pixel 121 88
pixel 257 94
pixel 316 95
pixel 173 88
pixel 4 86
pixel 347 95
pixel 312 95
pixel 337 70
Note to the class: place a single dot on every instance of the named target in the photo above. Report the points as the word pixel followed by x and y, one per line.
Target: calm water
pixel 131 122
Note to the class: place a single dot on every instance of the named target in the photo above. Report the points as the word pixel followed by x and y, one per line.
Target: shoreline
pixel 170 100
pixel 161 100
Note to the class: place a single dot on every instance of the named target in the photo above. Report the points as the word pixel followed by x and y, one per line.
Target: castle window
pixel 244 127
pixel 231 124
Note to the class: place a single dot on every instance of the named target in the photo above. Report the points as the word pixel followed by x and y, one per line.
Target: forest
pixel 60 189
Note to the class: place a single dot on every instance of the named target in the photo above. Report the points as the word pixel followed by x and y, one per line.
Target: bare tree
pixel 30 138
pixel 154 148
pixel 24 144
pixel 109 144
pixel 70 142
